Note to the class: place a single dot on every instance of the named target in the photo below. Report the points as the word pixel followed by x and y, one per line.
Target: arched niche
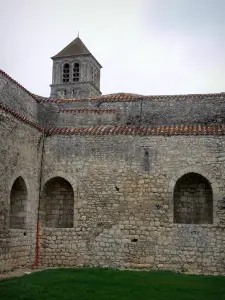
pixel 18 204
pixel 57 203
pixel 193 200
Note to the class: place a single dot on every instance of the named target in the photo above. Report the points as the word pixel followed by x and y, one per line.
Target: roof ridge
pixel 121 97
pixel 19 85
pixel 112 96
pixel 20 117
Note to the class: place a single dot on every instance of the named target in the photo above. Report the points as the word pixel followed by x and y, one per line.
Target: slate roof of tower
pixel 76 47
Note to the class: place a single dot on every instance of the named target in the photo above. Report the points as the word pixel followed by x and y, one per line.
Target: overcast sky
pixel 145 46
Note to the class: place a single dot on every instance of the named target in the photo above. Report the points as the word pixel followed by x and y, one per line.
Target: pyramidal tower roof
pixel 75 48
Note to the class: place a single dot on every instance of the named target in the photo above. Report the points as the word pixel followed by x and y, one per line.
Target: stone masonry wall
pixel 17 99
pixel 124 212
pixel 88 119
pixel 162 111
pixel 177 110
pixel 18 204
pixel 20 149
pixel 123 202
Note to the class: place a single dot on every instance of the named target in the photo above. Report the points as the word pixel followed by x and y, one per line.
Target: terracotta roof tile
pixel 125 130
pixel 145 131
pixel 117 97
pixel 19 116
pixel 109 97
pixel 123 97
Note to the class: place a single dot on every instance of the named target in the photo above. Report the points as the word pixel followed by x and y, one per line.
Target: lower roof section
pixel 199 129
pixel 142 131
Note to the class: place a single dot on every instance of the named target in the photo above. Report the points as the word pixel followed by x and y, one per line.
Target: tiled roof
pixel 19 85
pixel 90 110
pixel 20 116
pixel 142 131
pixel 123 97
pixel 125 130
pixel 109 97
pixel 117 97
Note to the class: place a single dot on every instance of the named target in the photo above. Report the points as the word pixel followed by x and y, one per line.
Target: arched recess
pixel 193 200
pixel 214 187
pixel 57 203
pixel 66 73
pixel 18 204
pixel 76 72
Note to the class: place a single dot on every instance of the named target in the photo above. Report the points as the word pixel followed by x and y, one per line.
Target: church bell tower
pixel 75 72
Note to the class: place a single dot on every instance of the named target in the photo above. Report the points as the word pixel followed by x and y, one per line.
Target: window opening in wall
pixel 193 200
pixel 76 72
pixel 57 203
pixel 66 73
pixel 18 204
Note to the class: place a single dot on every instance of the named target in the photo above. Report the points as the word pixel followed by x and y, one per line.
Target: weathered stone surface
pixel 118 200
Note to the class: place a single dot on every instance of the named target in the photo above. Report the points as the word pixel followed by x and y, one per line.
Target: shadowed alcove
pixel 18 204
pixel 57 203
pixel 193 200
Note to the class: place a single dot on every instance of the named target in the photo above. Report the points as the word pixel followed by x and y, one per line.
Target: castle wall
pixel 169 111
pixel 19 185
pixel 123 202
pixel 88 118
pixel 161 111
pixel 48 114
pixel 124 212
pixel 17 99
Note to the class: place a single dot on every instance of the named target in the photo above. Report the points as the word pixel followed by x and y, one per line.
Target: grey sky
pixel 144 46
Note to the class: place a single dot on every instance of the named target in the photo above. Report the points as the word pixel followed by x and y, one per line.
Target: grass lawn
pixel 85 284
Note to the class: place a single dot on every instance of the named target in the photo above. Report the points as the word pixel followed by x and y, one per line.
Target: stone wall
pixel 17 98
pixel 206 109
pixel 169 111
pixel 123 202
pixel 48 114
pixel 87 118
pixel 112 200
pixel 20 149
pixel 82 88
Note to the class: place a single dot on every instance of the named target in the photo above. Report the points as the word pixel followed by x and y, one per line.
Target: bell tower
pixel 75 72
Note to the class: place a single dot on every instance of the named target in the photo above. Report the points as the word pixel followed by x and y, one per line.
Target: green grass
pixel 64 284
